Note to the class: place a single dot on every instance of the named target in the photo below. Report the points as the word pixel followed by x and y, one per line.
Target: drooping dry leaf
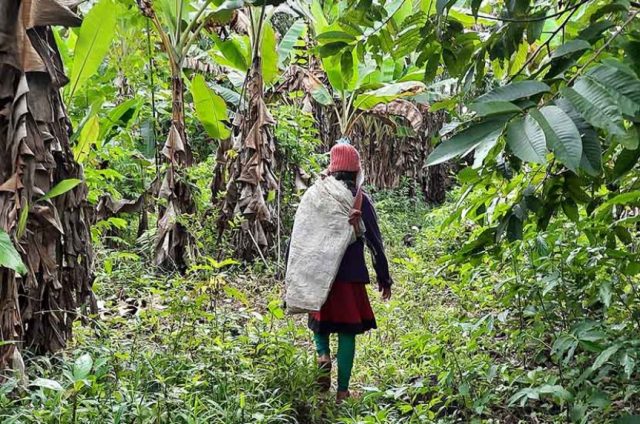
pixel 401 108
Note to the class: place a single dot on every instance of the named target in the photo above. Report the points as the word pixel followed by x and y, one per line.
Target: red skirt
pixel 347 310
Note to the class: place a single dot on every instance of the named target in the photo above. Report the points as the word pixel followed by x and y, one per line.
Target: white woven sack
pixel 321 234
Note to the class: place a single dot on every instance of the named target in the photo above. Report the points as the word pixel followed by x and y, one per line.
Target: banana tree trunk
pixel 252 177
pixel 174 243
pixel 435 179
pixel 37 309
pixel 177 115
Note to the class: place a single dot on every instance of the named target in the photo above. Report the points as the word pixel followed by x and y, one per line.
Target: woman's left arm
pixel 373 237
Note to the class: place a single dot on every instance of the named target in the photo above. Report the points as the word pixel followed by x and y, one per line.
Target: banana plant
pixel 360 75
pixel 178 24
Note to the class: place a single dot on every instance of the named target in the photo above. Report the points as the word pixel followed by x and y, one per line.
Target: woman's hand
pixel 386 291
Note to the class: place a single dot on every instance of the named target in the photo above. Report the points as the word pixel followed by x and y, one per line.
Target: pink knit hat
pixel 344 157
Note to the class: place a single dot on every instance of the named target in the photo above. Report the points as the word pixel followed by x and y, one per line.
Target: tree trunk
pixel 177 116
pixel 435 181
pixel 174 243
pixel 251 175
pixel 39 308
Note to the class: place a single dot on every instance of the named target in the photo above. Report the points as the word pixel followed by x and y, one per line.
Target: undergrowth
pixel 215 346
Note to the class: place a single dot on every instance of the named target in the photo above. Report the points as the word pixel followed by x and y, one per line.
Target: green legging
pixel 346 353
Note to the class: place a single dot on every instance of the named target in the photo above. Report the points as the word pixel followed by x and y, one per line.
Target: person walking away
pixel 347 310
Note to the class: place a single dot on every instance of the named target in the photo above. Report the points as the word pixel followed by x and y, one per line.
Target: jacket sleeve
pixel 373 239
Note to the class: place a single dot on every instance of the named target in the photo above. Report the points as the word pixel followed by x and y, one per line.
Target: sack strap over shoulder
pixel 356 211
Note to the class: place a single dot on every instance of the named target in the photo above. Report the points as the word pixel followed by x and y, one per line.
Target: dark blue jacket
pixel 353 268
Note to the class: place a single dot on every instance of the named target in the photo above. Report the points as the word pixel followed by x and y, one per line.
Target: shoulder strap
pixel 356 211
pixel 357 204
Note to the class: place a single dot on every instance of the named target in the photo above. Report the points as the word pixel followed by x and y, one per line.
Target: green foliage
pixel 9 256
pixel 526 139
pixel 94 40
pixel 211 109
pixel 269 54
pixel 61 188
pixel 289 40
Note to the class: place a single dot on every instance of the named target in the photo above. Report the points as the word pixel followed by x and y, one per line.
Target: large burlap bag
pixel 321 234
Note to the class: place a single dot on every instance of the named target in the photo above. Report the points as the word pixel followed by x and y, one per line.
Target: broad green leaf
pixel 482 150
pixel 596 105
pixel 335 36
pixel 526 140
pixel 236 294
pixel 518 59
pixel 22 220
pixel 523 395
pixel 234 51
pixel 61 188
pixel 499 70
pixel 319 20
pixel 467 175
pixel 595 31
pixel 441 5
pixel 230 5
pixel 331 49
pixel 610 7
pixel 626 161
pixel 387 93
pixel 604 356
pixel 269 54
pixel 388 69
pixel 604 292
pixel 591 161
pixel 124 113
pixel 320 93
pixel 620 199
pixel 514 91
pixel 370 80
pixel 467 20
pixel 534 31
pixel 556 391
pixel 625 86
pixel 168 12
pixel 230 96
pixel 494 108
pixel 46 383
pixel 82 367
pixel 630 139
pixel 88 136
pixel 466 140
pixel 347 67
pixel 629 365
pixel 96 33
pixel 404 11
pixel 289 40
pixel 9 256
pixel 475 7
pixel 275 309
pixel 561 134
pixel 570 208
pixel 433 51
pixel 570 47
pixel 211 109
pixel 339 80
pixel 148 135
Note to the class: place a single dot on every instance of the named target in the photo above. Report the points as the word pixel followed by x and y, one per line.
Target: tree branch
pixel 604 46
pixel 541 18
pixel 546 43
